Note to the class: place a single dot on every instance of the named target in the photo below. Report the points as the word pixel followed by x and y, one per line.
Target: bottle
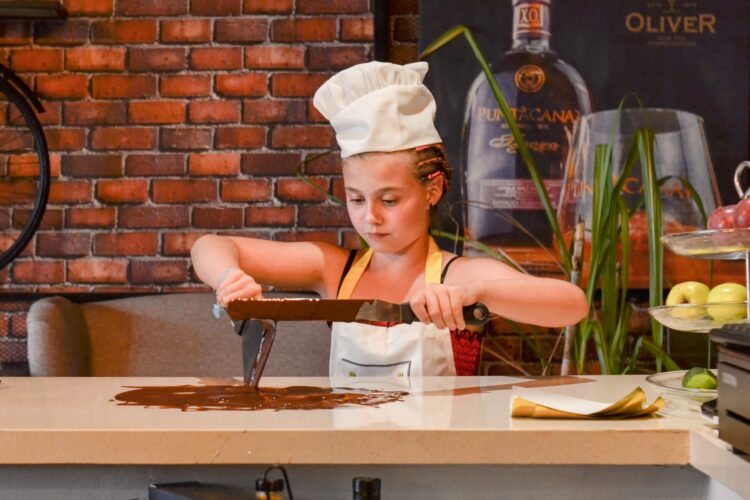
pixel 366 488
pixel 546 96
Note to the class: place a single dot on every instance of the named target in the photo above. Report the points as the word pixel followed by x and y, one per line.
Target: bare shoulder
pixel 480 268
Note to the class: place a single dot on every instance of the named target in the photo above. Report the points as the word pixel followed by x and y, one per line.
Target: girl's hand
pixel 442 305
pixel 237 285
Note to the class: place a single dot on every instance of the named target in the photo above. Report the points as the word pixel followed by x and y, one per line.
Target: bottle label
pixel 531 19
pixel 517 194
pixel 529 78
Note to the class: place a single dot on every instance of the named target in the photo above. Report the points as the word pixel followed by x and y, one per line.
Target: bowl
pixel 680 401
pixel 700 318
pixel 724 244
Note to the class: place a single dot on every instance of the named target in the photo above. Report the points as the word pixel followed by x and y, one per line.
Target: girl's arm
pixel 514 295
pixel 236 266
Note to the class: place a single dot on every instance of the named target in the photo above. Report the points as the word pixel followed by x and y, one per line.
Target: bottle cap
pixel 278 485
pixel 262 485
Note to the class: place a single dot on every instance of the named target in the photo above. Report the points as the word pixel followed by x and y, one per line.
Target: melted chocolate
pixel 245 397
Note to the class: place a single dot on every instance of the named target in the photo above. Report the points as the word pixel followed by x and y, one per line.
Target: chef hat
pixel 379 106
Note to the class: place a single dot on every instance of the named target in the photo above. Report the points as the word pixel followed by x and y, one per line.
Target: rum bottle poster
pixel 692 55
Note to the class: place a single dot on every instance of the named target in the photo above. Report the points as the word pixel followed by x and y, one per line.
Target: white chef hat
pixel 379 106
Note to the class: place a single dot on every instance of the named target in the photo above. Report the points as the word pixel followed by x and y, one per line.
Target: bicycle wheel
pixel 24 166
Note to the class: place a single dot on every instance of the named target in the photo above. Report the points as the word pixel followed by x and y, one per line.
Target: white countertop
pixel 76 421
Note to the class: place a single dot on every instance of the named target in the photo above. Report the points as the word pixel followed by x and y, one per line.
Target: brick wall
pixel 168 119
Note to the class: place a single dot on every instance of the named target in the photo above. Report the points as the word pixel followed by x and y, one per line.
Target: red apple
pixel 722 217
pixel 742 213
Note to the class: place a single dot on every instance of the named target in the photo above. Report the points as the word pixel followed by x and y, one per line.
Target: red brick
pixel 56 244
pixel 90 218
pixel 155 164
pixel 123 86
pixel 275 57
pixel 94 113
pixel 313 115
pixel 215 7
pixel 153 217
pixel 69 33
pixel 170 59
pixel 269 216
pixel 304 30
pixel 51 220
pixel 217 218
pixel 296 84
pixel 179 243
pixel 95 59
pixel 240 137
pixel 114 138
pixel 337 188
pixel 303 137
pixel 298 190
pixel 268 6
pixel 214 112
pixel 88 165
pixel 152 8
pixel 401 53
pixel 332 6
pixel 97 271
pixel 65 139
pixel 124 32
pixel 70 192
pixel 327 236
pixel 18 326
pixel 61 86
pixel 184 190
pixel 186 138
pixel 245 190
pixel 339 57
pixel 43 289
pixel 246 84
pixel 352 240
pixel 30 60
pixel 122 191
pixel 50 116
pixel 16 32
pixel 214 164
pixel 216 58
pixel 115 244
pixel 405 29
pixel 54 165
pixel 271 163
pixel 273 111
pixel 321 164
pixel 27 165
pixel 403 7
pixel 156 112
pixel 186 30
pixel 89 8
pixel 357 29
pixel 158 271
pixel 241 30
pixel 39 272
pixel 185 86
pixel 323 216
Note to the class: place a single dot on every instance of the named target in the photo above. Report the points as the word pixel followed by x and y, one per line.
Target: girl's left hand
pixel 442 305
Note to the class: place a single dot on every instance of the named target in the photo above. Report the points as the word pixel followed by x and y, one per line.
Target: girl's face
pixel 388 206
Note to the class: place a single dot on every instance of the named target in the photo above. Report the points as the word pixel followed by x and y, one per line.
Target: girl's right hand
pixel 237 285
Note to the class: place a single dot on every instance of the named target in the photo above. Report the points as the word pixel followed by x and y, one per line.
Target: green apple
pixel 688 292
pixel 727 292
pixel 699 378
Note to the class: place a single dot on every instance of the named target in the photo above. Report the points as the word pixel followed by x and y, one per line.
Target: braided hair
pixel 432 162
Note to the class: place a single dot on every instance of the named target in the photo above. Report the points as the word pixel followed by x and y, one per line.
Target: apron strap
pixel 433 269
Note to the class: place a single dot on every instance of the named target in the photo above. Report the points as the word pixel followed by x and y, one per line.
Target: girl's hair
pixel 431 162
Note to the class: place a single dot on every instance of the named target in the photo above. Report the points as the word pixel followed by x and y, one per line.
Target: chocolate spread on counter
pixel 245 397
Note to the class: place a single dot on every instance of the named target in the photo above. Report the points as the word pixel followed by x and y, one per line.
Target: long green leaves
pixel 523 149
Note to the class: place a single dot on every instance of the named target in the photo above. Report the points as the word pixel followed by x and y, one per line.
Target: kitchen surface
pixel 444 427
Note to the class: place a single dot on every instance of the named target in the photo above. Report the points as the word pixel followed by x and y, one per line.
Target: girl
pixel 395 172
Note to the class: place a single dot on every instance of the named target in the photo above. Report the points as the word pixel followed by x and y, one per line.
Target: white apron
pixel 404 350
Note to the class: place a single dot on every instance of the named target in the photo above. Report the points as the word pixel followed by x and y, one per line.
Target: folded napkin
pixel 533 403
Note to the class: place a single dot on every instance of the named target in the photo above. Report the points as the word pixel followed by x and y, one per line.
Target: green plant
pixel 608 258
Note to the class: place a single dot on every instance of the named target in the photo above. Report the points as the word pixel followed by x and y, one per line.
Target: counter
pixel 74 423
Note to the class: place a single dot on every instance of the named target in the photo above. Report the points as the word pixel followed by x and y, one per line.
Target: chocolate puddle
pixel 245 397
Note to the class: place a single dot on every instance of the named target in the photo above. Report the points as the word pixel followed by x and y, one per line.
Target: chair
pixel 160 335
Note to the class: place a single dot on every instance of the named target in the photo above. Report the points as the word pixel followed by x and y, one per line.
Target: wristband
pixel 224 274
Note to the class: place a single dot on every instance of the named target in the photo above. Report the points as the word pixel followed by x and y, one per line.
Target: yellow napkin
pixel 533 403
